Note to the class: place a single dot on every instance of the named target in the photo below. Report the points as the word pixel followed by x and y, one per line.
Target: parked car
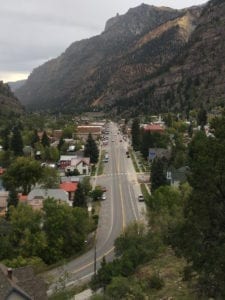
pixel 104 196
pixel 141 198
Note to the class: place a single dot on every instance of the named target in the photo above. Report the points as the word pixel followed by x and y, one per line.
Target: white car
pixel 104 196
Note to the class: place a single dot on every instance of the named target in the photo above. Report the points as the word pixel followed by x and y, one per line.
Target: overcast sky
pixel 34 31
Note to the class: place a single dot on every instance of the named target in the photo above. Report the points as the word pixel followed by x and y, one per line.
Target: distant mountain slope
pixel 14 85
pixel 90 69
pixel 8 102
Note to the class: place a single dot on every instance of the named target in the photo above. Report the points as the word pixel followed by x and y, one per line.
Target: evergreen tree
pixel 91 149
pixel 135 133
pixel 158 176
pixel 146 143
pixel 45 140
pixel 202 118
pixel 61 143
pixel 16 144
pixel 5 139
pixel 35 138
pixel 201 238
pixel 80 197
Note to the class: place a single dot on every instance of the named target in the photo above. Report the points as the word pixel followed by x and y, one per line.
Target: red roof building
pixel 70 188
pixel 154 128
pixel 84 130
pixel 22 198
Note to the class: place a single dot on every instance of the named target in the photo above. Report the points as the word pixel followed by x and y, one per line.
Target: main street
pixel 120 208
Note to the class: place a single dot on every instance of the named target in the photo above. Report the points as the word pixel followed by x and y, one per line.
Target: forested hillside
pixel 8 102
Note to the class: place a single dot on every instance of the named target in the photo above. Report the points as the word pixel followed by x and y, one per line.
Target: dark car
pixel 141 198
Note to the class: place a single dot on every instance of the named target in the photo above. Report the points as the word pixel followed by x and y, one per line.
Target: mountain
pixel 90 69
pixel 14 85
pixel 195 77
pixel 8 102
pixel 148 60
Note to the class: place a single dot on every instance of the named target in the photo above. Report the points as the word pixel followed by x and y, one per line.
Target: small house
pixel 70 188
pixel 177 176
pixel 36 197
pixel 21 284
pixel 81 164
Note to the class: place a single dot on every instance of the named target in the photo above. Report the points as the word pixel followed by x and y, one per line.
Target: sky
pixel 34 31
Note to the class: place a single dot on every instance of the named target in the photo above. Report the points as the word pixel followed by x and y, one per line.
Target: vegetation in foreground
pixel 187 221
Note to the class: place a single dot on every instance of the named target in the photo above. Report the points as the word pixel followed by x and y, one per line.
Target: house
pixel 70 188
pixel 177 176
pixel 36 197
pixel 65 160
pixel 57 134
pixel 159 153
pixel 21 284
pixel 81 164
pixel 154 128
pixel 84 130
pixel 22 198
pixel 70 178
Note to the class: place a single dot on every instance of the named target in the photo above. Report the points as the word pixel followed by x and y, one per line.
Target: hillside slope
pixel 195 77
pixel 8 102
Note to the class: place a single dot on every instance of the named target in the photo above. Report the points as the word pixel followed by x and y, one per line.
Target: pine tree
pixel 45 140
pixel 61 143
pixel 147 141
pixel 201 237
pixel 158 176
pixel 35 138
pixel 202 118
pixel 79 197
pixel 135 132
pixel 16 144
pixel 91 149
pixel 5 138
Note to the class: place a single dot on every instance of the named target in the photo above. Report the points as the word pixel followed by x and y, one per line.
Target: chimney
pixel 9 272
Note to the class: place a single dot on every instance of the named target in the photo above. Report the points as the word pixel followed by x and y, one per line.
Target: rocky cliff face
pixel 150 59
pixel 8 102
pixel 196 76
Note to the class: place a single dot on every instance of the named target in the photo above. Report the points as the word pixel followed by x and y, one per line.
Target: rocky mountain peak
pixel 139 19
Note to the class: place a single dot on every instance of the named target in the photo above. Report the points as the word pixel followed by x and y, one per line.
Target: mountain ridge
pixel 132 64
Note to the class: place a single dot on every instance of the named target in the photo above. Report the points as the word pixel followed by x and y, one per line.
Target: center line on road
pixel 122 204
pixel 91 263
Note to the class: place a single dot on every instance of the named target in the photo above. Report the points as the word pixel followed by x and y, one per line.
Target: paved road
pixel 118 210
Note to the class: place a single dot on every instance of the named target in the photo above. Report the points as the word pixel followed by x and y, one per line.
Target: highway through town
pixel 118 210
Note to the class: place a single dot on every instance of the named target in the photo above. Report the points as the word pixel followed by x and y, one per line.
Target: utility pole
pixel 95 261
